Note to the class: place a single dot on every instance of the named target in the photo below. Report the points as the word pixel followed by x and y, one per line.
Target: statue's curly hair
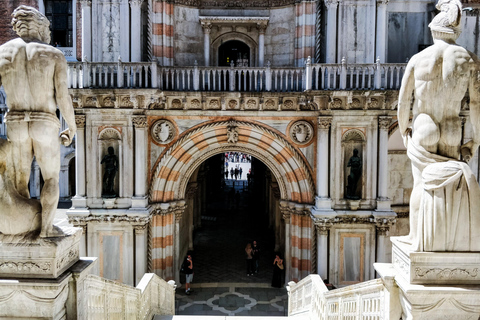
pixel 37 20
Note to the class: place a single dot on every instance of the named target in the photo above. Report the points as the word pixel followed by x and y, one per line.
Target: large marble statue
pixel 445 198
pixel 34 76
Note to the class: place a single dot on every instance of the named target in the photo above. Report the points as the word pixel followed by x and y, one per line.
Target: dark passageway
pixel 236 214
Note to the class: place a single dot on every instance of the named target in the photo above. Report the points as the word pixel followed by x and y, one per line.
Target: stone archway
pixel 176 165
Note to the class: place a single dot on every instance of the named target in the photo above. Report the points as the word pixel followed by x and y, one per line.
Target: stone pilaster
pixel 79 200
pixel 323 230
pixel 141 249
pixel 261 43
pixel 140 201
pixel 381 30
pixel 135 30
pixel 323 204
pixel 383 203
pixel 332 6
pixel 86 29
pixel 207 28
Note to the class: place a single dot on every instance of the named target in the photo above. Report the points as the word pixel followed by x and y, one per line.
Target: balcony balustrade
pixel 343 76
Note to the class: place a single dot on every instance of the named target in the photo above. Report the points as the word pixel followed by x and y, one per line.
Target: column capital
pixel 86 3
pixel 207 28
pixel 331 4
pixel 135 3
pixel 80 121
pixel 141 228
pixel 383 225
pixel 140 122
pixel 323 229
pixel 384 122
pixel 261 27
pixel 382 2
pixel 324 122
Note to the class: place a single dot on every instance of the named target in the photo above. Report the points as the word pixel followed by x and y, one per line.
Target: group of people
pixel 252 257
pixel 234 173
pixel 237 157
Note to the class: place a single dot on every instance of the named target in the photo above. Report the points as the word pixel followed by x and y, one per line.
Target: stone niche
pixel 353 139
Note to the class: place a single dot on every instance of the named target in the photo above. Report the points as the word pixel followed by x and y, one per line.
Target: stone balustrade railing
pixel 106 299
pixel 244 79
pixel 311 298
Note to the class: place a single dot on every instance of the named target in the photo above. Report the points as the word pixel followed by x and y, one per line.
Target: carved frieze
pixel 163 131
pixel 213 104
pixel 81 220
pixel 251 104
pixel 288 105
pixel 270 105
pixel 195 104
pixel 447 273
pixel 301 132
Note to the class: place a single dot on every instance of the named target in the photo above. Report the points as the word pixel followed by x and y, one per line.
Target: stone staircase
pixel 221 318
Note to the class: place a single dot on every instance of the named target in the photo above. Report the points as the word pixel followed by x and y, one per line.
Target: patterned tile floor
pixel 232 299
pixel 221 285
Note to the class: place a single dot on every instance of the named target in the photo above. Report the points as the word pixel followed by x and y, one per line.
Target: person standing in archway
pixel 249 258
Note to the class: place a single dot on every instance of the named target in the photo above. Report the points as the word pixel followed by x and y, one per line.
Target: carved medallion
pixel 176 104
pixel 251 104
pixel 301 132
pixel 195 104
pixel 232 104
pixel 163 131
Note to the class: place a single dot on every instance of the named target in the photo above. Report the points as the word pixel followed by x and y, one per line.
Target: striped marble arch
pixel 176 164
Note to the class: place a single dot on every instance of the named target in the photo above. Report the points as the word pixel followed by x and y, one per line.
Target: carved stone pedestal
pixel 431 285
pixel 60 298
pixel 428 302
pixel 40 257
pixel 436 267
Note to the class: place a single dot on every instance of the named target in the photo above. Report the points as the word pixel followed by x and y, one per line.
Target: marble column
pixel 261 43
pixel 322 200
pixel 178 211
pixel 87 29
pixel 322 250
pixel 383 203
pixel 288 256
pixel 332 6
pixel 139 199
pixel 135 30
pixel 383 248
pixel 79 200
pixel 141 248
pixel 381 39
pixel 207 28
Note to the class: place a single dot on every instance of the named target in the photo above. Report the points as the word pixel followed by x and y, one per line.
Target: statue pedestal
pixel 43 278
pixel 431 285
pixel 438 268
pixel 39 258
pixel 60 298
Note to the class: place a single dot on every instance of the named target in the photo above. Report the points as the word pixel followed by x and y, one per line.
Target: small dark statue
pixel 355 164
pixel 111 166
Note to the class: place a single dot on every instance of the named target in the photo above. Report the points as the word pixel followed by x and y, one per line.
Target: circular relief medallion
pixel 163 131
pixel 301 132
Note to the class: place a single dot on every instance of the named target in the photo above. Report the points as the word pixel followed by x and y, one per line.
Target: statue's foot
pixel 52 232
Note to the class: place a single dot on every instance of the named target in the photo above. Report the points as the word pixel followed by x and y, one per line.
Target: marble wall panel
pixel 470 26
pixel 400 178
pixel 280 38
pixel 406 31
pixel 188 43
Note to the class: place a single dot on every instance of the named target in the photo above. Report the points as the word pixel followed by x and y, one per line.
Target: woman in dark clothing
pixel 277 272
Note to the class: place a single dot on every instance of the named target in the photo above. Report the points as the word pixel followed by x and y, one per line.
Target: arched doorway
pixel 233 50
pixel 172 190
pixel 229 213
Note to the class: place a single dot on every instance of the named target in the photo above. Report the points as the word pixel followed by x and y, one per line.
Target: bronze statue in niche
pixel 355 164
pixel 111 166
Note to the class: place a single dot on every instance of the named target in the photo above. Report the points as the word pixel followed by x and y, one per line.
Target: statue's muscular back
pixel 441 80
pixel 27 69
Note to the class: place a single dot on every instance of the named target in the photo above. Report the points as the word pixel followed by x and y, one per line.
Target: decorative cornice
pixel 352 219
pixel 206 21
pixel 81 220
pixel 324 122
